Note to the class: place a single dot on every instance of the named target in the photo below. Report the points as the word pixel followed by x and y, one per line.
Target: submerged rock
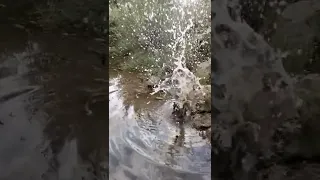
pixel 197 110
pixel 200 101
pixel 151 82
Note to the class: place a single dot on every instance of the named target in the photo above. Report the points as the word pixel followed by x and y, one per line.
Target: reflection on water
pixel 146 144
pixel 45 132
pixel 46 90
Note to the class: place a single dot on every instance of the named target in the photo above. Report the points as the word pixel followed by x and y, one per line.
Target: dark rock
pixel 201 121
pixel 181 114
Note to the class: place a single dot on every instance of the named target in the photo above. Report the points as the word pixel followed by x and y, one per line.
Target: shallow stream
pixel 55 124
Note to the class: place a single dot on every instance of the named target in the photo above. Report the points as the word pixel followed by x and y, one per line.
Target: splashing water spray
pixel 165 28
pixel 182 81
pixel 246 63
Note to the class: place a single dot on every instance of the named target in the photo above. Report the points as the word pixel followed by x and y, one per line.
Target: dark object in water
pixel 180 114
pixel 176 110
pixel 1 123
pixel 150 87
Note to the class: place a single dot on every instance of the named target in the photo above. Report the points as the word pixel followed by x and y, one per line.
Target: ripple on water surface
pixel 144 145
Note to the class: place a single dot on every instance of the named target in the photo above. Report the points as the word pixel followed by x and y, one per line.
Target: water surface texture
pixel 54 117
pixel 45 83
pixel 54 97
pixel 262 51
pixel 145 143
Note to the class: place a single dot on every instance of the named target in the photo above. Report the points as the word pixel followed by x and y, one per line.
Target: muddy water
pixel 54 121
pixel 145 143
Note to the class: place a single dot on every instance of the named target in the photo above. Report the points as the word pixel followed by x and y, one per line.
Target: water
pixel 48 133
pixel 243 58
pixel 53 121
pixel 45 132
pixel 145 143
pixel 182 81
pixel 245 65
pixel 169 32
pixel 250 74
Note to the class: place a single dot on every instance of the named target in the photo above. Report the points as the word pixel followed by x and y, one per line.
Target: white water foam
pixel 182 81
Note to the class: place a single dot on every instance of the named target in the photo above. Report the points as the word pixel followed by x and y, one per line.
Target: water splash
pixel 182 81
pixel 169 30
pixel 166 33
pixel 245 62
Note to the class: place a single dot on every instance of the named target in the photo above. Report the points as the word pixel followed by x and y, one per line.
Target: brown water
pixel 54 120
